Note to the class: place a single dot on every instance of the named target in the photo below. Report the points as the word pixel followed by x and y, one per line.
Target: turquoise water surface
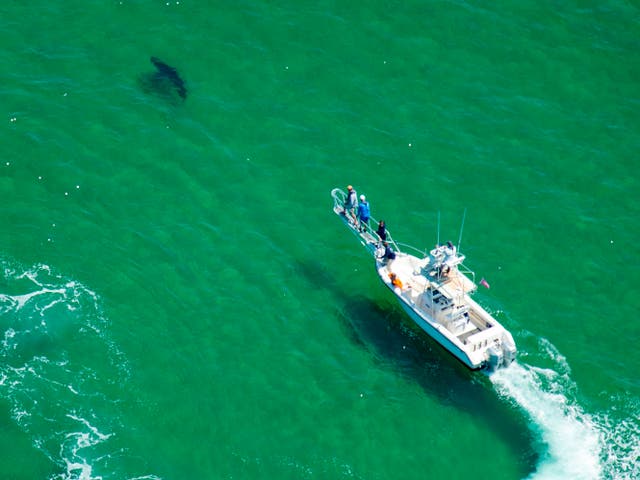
pixel 179 301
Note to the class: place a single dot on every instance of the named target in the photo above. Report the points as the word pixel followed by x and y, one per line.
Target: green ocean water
pixel 179 301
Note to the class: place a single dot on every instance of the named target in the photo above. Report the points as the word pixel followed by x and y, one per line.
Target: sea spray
pixel 621 438
pixel 570 440
pixel 573 443
pixel 54 342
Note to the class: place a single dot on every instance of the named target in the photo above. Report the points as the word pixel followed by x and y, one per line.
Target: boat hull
pixel 433 330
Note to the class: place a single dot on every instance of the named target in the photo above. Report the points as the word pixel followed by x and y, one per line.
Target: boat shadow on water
pixel 395 342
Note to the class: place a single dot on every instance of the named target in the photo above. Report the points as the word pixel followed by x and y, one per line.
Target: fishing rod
pixel 464 215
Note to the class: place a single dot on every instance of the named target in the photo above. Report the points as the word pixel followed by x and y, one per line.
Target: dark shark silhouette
pixel 171 73
pixel 165 81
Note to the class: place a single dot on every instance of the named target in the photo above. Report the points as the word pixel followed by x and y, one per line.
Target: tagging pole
pixel 464 215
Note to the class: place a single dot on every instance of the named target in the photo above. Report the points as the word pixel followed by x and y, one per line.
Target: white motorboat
pixel 435 289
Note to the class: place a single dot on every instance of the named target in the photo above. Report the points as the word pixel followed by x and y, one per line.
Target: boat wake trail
pixel 572 443
pixel 60 371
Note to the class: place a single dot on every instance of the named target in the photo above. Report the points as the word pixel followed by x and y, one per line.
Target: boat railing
pixel 462 268
pixel 422 253
pixel 339 197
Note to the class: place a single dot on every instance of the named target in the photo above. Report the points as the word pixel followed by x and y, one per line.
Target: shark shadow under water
pixel 165 82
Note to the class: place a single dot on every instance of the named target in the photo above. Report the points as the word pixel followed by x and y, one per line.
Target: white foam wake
pixel 573 443
pixel 54 347
pixel 571 440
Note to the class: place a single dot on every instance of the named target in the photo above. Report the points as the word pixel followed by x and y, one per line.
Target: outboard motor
pixel 495 357
pixel 509 353
pixel 508 348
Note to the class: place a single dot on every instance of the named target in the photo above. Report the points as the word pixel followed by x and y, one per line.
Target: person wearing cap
pixel 363 213
pixel 351 203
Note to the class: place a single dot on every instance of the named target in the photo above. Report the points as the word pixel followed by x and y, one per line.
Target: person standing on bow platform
pixel 382 230
pixel 363 213
pixel 350 204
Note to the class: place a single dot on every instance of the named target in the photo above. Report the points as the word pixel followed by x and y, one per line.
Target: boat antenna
pixel 461 227
pixel 438 231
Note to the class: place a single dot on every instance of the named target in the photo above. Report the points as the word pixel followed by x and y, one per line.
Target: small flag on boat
pixel 484 283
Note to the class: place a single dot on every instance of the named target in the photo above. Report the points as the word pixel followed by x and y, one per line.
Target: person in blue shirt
pixel 363 213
